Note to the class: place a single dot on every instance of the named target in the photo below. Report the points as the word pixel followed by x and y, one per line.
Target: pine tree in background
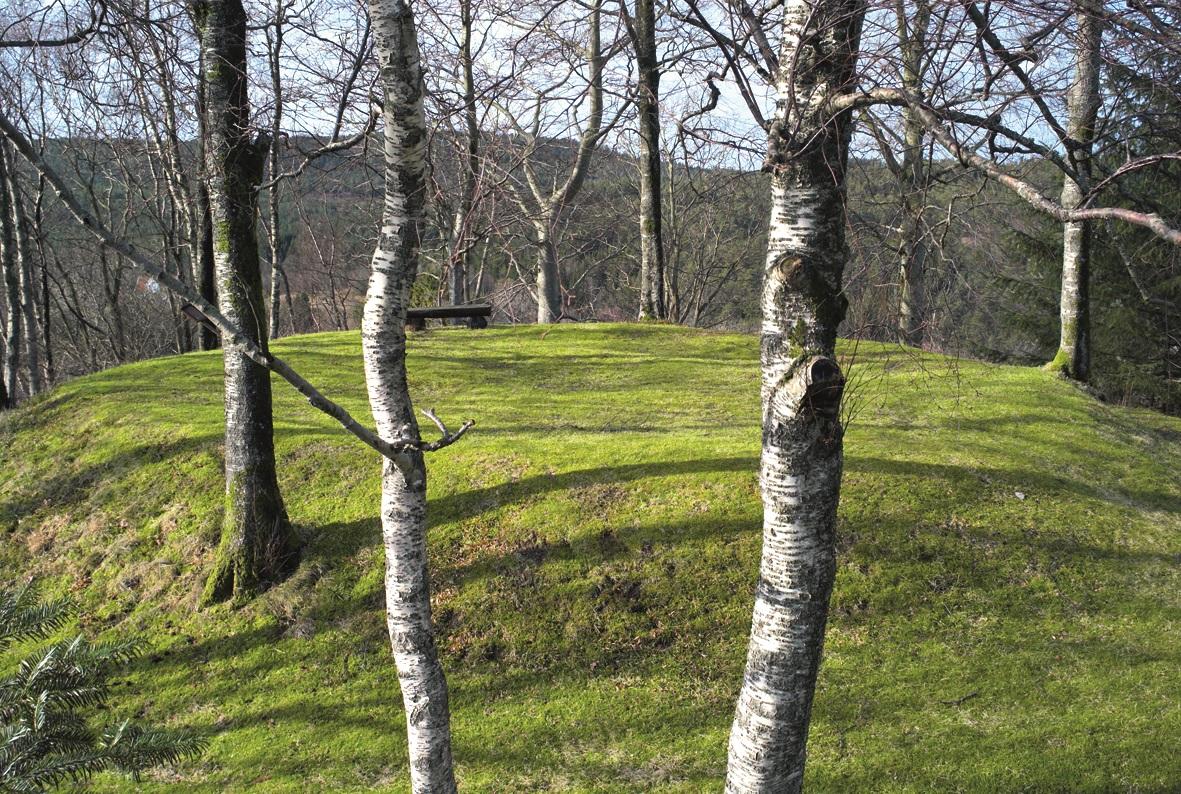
pixel 46 738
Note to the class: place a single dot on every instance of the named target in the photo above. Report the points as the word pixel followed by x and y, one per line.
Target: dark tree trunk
pixel 652 303
pixel 258 545
pixel 461 235
pixel 204 278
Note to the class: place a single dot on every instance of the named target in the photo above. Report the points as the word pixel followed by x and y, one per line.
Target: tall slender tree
pixel 642 31
pixel 1073 358
pixel 544 205
pixel 12 301
pixel 22 245
pixel 459 249
pixel 203 276
pixel 258 544
pixel 275 247
pixel 912 176
pixel 383 335
pixel 800 476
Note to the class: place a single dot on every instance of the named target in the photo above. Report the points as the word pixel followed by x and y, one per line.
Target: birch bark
pixel 1082 107
pixel 23 260
pixel 12 302
pixel 801 463
pixel 258 545
pixel 383 335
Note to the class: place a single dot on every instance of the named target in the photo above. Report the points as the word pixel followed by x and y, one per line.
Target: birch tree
pixel 800 471
pixel 23 261
pixel 403 504
pixel 258 545
pixel 12 300
pixel 383 335
pixel 204 275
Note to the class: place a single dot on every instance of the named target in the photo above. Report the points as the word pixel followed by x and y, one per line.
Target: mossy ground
pixel 1007 613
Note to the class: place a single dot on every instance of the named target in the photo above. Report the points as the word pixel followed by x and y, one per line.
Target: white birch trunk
pixel 24 263
pixel 274 155
pixel 11 295
pixel 802 450
pixel 1082 107
pixel 403 500
pixel 12 302
pixel 204 277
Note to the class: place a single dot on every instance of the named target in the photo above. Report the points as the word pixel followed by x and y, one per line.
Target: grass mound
pixel 1007 613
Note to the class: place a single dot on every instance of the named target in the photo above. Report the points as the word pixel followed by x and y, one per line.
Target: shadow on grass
pixel 1027 479
pixel 65 487
pixel 466 505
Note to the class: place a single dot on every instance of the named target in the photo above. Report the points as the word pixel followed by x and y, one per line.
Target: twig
pixel 960 701
pixel 447 438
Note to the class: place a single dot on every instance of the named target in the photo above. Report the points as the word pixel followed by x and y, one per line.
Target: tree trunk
pixel 258 545
pixel 461 235
pixel 12 302
pixel 30 325
pixel 912 244
pixel 274 154
pixel 204 278
pixel 652 304
pixel 549 208
pixel 802 448
pixel 403 500
pixel 1082 106
pixel 46 317
pixel 549 284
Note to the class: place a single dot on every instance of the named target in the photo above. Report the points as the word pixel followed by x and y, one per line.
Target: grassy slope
pixel 595 548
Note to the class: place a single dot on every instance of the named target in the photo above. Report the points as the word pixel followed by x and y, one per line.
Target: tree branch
pixel 395 451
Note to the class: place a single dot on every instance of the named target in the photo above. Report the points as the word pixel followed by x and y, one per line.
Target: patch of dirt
pixel 599 497
pixel 42 539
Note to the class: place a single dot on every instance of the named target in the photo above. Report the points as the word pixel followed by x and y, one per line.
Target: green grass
pixel 595 546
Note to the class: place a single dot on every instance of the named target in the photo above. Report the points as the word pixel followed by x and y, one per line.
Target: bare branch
pixel 395 452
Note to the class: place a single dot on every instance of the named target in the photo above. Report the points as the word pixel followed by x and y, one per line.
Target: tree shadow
pixel 1029 479
pixel 469 504
pixel 64 487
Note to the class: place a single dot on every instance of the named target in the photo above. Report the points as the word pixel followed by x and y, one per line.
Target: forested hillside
pixel 993 291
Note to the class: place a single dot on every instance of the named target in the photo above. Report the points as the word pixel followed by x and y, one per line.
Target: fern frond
pixel 23 616
pixel 134 748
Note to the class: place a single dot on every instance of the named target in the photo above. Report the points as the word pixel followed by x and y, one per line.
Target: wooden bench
pixel 477 314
